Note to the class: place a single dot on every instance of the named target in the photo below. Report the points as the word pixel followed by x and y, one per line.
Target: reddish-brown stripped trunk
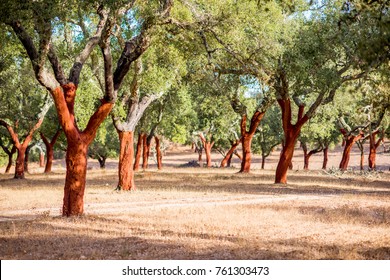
pixel 137 159
pixel 373 147
pixel 126 154
pixel 246 139
pixel 207 145
pixel 291 133
pixel 229 154
pixel 158 152
pixel 145 152
pixel 78 142
pixel 21 147
pixel 50 149
pixel 349 141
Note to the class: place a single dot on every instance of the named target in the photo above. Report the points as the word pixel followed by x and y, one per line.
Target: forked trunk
pixel 137 160
pixel 126 154
pixel 373 147
pixel 20 163
pixel 76 171
pixel 159 154
pixel 325 161
pixel 50 150
pixel 228 157
pixel 49 158
pixel 349 141
pixel 246 153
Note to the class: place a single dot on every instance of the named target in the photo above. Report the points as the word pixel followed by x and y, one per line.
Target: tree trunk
pixel 144 153
pixel 373 147
pixel 291 133
pixel 10 156
pixel 49 158
pixel 102 162
pixel 125 170
pixel 159 154
pixel 246 139
pixel 325 161
pixel 286 156
pixel 349 141
pixel 41 159
pixel 76 171
pixel 200 152
pixel 263 157
pixel 207 145
pixel 50 149
pixel 229 161
pixel 207 149
pixel 137 160
pixel 229 155
pixel 246 153
pixel 20 163
pixel 26 158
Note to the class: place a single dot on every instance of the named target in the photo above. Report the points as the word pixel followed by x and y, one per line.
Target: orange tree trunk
pixel 49 158
pixel 373 147
pixel 229 155
pixel 137 160
pixel 20 162
pixel 145 153
pixel 50 149
pixel 246 139
pixel 325 161
pixel 78 142
pixel 291 133
pixel 76 171
pixel 349 141
pixel 207 145
pixel 159 154
pixel 126 154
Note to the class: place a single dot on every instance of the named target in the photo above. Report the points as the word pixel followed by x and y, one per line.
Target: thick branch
pixel 74 74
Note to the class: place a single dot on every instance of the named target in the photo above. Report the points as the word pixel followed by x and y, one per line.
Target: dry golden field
pixel 198 213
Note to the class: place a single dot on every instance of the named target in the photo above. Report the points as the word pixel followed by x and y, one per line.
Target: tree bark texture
pixel 137 160
pixel 291 133
pixel 326 158
pixel 207 145
pixel 349 141
pixel 145 152
pixel 228 157
pixel 50 149
pixel 78 142
pixel 373 147
pixel 21 147
pixel 126 155
pixel 158 152
pixel 246 139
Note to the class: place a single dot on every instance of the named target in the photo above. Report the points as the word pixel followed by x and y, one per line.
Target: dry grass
pixel 193 213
